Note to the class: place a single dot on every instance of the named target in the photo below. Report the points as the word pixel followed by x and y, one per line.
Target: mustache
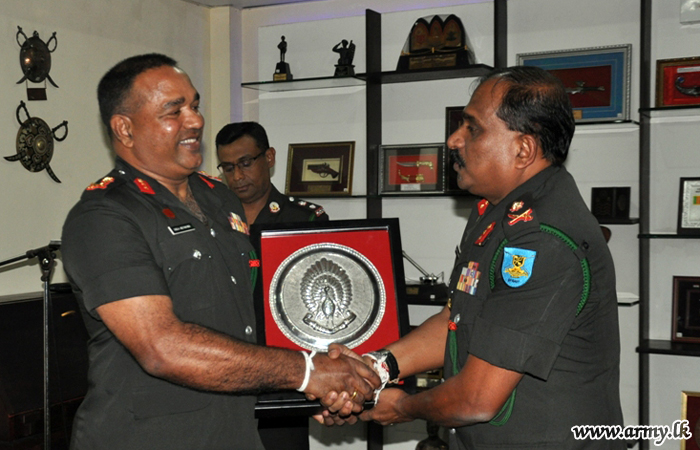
pixel 456 158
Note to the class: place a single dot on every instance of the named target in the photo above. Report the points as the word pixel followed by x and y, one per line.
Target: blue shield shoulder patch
pixel 517 265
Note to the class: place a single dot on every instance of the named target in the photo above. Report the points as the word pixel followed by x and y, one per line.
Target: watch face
pixel 327 293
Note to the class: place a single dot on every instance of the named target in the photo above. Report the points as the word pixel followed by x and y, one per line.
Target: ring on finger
pixel 354 394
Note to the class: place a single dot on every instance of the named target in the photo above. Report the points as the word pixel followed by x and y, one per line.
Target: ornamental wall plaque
pixel 35 61
pixel 35 143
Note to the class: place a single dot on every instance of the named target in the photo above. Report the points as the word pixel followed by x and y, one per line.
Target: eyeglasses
pixel 242 164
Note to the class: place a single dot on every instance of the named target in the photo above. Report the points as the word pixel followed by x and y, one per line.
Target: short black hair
pixel 535 102
pixel 115 86
pixel 234 131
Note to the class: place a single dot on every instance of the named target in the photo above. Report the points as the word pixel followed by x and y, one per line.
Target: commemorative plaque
pixel 327 282
pixel 436 42
pixel 326 293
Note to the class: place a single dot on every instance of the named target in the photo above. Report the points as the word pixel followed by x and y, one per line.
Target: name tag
pixel 179 229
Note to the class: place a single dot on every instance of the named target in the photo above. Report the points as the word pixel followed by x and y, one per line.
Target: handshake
pixel 343 381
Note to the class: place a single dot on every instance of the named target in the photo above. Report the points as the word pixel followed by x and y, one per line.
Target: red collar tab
pixel 481 206
pixel 209 183
pixel 144 187
pixel 524 217
pixel 254 263
pixel 169 213
pixel 485 234
pixel 106 181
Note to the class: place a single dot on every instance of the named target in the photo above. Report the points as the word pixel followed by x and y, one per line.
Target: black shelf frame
pixel 665 347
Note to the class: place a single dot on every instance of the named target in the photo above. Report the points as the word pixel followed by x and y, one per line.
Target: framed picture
pixel 691 412
pixel 320 169
pixel 453 119
pixel 597 79
pixel 330 282
pixel 689 206
pixel 678 82
pixel 412 169
pixel 686 309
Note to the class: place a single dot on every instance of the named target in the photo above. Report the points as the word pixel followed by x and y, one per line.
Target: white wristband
pixel 308 359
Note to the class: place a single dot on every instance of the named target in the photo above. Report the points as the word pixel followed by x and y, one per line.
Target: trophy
pixel 436 43
pixel 282 71
pixel 346 52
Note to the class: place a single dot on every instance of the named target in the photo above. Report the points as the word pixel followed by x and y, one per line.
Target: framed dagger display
pixel 597 79
pixel 322 169
pixel 412 169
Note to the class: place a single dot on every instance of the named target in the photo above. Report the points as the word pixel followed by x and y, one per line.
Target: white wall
pixel 93 35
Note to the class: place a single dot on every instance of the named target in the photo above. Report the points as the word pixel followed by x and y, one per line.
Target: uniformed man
pixel 529 340
pixel 159 259
pixel 246 159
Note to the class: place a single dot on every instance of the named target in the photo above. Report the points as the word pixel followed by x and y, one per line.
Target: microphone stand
pixel 46 256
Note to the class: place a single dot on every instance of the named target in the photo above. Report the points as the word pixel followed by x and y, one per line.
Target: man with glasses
pixel 246 160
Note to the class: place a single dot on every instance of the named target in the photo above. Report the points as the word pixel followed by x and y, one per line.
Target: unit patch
pixel 469 278
pixel 517 265
pixel 237 223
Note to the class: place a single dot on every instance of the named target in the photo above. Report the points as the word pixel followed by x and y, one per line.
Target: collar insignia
pixel 481 206
pixel 106 181
pixel 237 223
pixel 144 187
pixel 516 206
pixel 204 178
pixel 524 217
pixel 517 265
pixel 469 278
pixel 485 234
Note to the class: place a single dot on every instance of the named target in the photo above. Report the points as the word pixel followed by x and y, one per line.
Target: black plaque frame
pixel 291 403
pixel 686 309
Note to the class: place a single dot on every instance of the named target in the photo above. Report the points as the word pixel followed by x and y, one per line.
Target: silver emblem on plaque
pixel 326 293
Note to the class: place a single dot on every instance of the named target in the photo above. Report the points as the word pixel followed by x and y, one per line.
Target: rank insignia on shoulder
pixel 237 223
pixel 144 186
pixel 517 265
pixel 526 216
pixel 274 207
pixel 485 234
pixel 469 278
pixel 481 206
pixel 516 206
pixel 103 183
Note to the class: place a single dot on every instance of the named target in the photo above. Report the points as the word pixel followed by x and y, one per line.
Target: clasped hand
pixel 341 408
